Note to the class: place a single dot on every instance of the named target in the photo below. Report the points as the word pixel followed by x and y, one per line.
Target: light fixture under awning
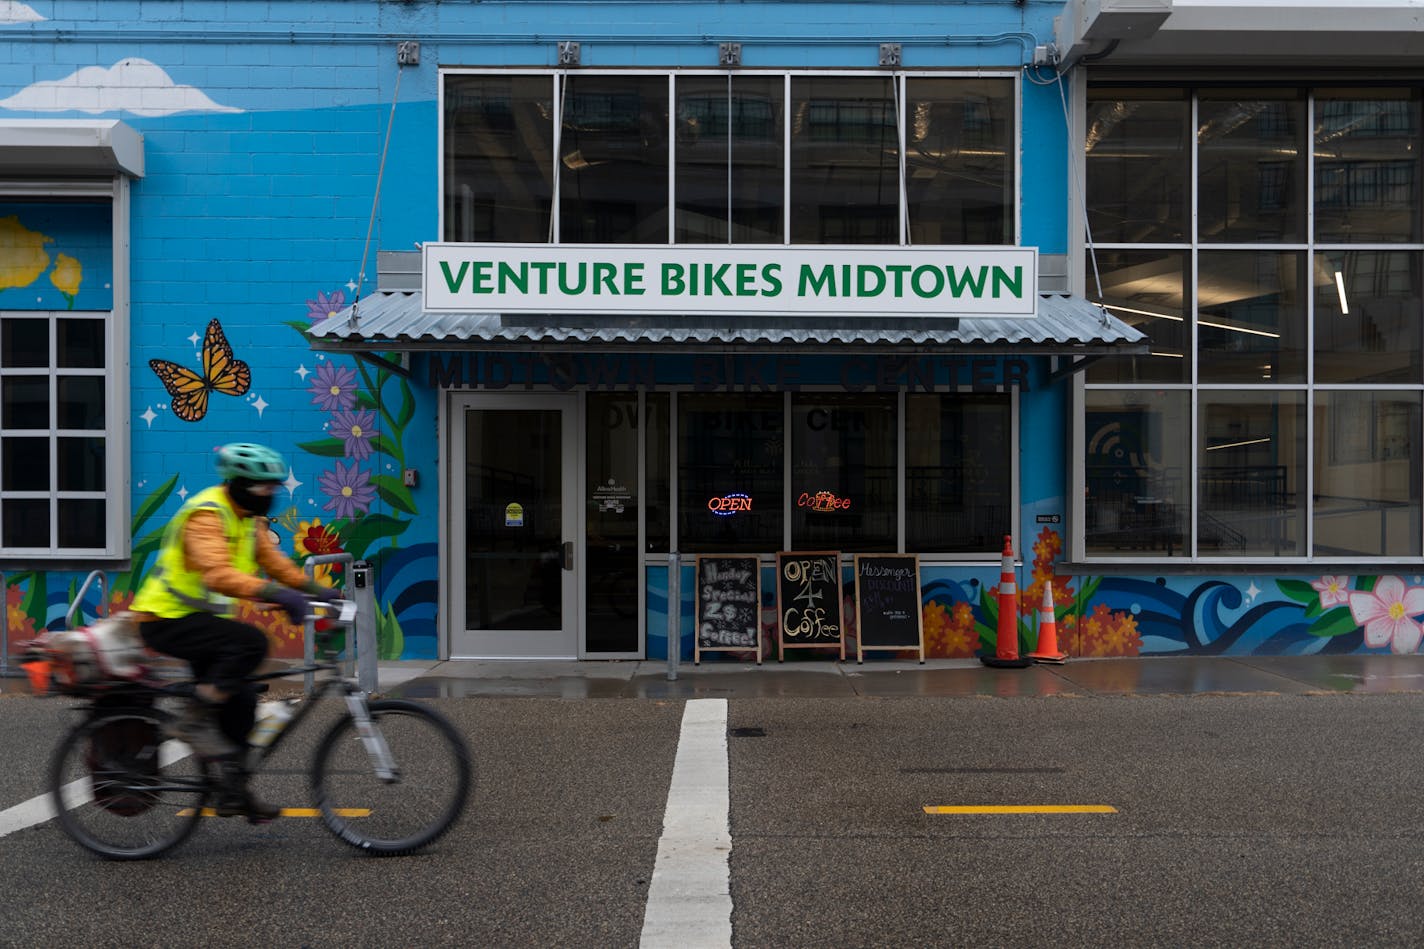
pixel 396 320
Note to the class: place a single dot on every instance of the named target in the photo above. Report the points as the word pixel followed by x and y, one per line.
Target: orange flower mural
pixel 1108 633
pixel 949 632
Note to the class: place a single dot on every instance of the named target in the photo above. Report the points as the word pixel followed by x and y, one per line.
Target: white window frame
pixel 117 429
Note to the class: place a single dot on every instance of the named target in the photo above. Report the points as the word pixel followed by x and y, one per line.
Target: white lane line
pixel 39 809
pixel 689 896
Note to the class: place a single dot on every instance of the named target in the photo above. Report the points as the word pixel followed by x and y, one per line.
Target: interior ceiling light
pixel 1251 441
pixel 1340 289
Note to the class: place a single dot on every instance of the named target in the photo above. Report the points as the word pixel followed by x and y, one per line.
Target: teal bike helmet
pixel 253 462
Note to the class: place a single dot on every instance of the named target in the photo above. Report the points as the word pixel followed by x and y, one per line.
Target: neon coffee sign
pixel 823 502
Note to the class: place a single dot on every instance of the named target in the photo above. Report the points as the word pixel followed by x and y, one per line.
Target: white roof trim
pixel 59 147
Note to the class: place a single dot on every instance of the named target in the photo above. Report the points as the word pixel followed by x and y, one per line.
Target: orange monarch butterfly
pixel 221 373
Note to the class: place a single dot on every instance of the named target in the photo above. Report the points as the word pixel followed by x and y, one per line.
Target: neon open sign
pixel 729 504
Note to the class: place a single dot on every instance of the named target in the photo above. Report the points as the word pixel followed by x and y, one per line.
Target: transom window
pixel 1269 242
pixel 762 158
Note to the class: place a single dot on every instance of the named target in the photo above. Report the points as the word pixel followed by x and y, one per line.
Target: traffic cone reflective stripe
pixel 1047 650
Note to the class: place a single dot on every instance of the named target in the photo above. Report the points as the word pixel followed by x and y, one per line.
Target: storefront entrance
pixel 514 477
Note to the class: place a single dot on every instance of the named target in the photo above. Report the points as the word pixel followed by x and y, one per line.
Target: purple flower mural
pixel 334 388
pixel 348 490
pixel 355 429
pixel 323 306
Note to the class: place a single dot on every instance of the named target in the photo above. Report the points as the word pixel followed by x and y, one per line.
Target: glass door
pixel 514 479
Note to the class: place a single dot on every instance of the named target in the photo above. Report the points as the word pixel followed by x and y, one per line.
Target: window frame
pixel 1014 197
pixel 1191 248
pixel 116 426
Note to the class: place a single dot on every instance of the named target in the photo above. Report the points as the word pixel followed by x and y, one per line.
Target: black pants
pixel 221 652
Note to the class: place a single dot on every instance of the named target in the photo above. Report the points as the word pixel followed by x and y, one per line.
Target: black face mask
pixel 241 491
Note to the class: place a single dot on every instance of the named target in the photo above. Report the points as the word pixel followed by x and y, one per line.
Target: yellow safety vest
pixel 172 590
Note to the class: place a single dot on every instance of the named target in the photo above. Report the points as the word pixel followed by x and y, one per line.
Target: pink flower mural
pixel 1334 591
pixel 1387 612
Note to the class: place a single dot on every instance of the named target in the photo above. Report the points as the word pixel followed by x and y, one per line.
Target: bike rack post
pixel 83 589
pixel 674 629
pixel 367 672
pixel 309 628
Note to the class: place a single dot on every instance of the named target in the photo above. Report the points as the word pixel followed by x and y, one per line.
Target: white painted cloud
pixel 13 11
pixel 130 85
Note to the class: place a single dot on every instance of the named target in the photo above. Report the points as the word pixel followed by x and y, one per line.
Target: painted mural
pixel 55 256
pixel 1101 617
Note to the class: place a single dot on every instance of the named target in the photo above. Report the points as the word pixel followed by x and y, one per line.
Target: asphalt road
pixel 1288 820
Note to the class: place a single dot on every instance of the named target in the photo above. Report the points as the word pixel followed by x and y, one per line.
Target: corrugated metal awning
pixel 396 320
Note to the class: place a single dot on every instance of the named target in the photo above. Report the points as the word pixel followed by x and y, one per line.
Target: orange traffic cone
pixel 1006 648
pixel 1047 650
pixel 38 671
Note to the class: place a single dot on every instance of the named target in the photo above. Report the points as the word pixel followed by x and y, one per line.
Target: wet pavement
pixel 1187 675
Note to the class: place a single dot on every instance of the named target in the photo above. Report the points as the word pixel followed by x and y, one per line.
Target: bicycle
pixel 124 791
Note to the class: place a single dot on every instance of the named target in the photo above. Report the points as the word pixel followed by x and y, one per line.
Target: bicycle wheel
pixel 388 818
pixel 121 790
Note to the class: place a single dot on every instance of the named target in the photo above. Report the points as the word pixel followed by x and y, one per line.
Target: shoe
pixel 197 727
pixel 246 805
pixel 235 799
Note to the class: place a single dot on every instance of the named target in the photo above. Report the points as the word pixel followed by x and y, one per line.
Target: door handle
pixel 568 555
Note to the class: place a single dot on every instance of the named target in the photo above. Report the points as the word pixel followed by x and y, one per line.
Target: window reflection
pixel 729 479
pixel 1366 467
pixel 1138 154
pixel 843 474
pixel 730 145
pixel 1145 289
pixel 1250 474
pixel 499 149
pixel 1367 147
pixel 958 485
pixel 1367 316
pixel 1250 169
pixel 1136 472
pixel 613 159
pixel 845 161
pixel 1251 316
pixel 959 170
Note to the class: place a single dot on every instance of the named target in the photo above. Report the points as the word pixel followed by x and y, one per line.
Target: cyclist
pixel 211 552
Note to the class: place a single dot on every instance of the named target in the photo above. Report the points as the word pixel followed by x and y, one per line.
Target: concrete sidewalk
pixel 1194 675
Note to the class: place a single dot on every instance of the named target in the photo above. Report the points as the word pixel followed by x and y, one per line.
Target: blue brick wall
pixel 258 193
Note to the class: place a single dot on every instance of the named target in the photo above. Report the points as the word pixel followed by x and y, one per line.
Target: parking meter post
pixel 364 593
pixel 674 599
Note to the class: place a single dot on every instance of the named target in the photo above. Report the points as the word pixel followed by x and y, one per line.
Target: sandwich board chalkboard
pixel 728 605
pixel 808 601
pixel 887 603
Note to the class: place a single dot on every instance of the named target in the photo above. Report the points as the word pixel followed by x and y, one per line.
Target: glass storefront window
pixel 613 156
pixel 845 160
pixel 657 506
pixel 725 150
pixel 612 428
pixel 1250 168
pixel 1251 474
pixel 958 472
pixel 959 168
pixel 730 149
pixel 1147 290
pixel 1366 469
pixel 1367 317
pixel 499 151
pixel 1367 147
pixel 844 477
pixel 1138 452
pixel 1251 316
pixel 730 486
pixel 1138 158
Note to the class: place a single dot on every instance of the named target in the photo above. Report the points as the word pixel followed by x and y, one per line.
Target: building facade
pixel 545 301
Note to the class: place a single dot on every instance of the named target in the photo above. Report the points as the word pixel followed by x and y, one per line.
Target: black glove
pixel 325 594
pixel 294 604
